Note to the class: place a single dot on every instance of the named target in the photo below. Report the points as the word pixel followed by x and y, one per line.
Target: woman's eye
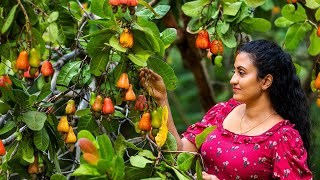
pixel 233 71
pixel 241 73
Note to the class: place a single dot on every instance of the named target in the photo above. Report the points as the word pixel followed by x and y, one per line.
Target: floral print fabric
pixel 275 154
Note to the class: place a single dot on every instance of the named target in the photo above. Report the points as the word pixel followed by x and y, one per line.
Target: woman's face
pixel 246 86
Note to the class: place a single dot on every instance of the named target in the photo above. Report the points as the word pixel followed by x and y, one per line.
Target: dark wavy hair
pixel 286 94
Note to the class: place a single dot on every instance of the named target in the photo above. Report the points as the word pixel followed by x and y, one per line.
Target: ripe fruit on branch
pixel 71 137
pixel 33 168
pixel 92 98
pixel 22 62
pixel 107 107
pixel 203 41
pixel 318 101
pixel 63 125
pixel 132 2
pixel 31 73
pixel 291 1
pixel 123 81
pixel 34 60
pixel 145 122
pixel 47 69
pixel 87 146
pixel 71 107
pixel 216 47
pixel 317 82
pixel 318 31
pixel 2 149
pixel 114 2
pixel 130 95
pixel 126 38
pixel 90 158
pixel 97 105
pixel 5 80
pixel 141 103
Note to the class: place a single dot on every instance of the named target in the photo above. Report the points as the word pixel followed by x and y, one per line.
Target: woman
pixel 263 131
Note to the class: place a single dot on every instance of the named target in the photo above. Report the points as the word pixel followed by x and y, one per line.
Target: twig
pixel 13 136
pixel 28 27
pixel 4 117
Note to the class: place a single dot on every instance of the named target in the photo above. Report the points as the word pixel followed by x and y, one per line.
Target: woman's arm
pixel 154 84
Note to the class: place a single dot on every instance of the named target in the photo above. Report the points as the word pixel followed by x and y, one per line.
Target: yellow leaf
pixel 163 130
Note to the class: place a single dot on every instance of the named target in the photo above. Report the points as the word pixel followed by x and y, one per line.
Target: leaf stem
pixel 28 25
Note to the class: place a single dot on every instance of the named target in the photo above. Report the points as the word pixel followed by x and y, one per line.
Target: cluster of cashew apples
pixel 131 4
pixel 317 86
pixel 215 47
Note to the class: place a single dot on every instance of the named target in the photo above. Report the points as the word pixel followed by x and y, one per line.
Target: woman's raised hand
pixel 154 84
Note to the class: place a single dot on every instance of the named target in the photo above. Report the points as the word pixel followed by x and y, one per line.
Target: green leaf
pixel 27 150
pixel 115 43
pixel 7 127
pixel 228 38
pixel 179 174
pixel 83 112
pixel 193 8
pixel 312 4
pixel 37 39
pixel 231 9
pixel 45 91
pixel 34 120
pixel 164 70
pixel 86 170
pixel 199 170
pixel 101 8
pixel 58 177
pixel 140 60
pixel 146 40
pixel 120 146
pixel 4 108
pixel 168 36
pixel 223 26
pixel 32 99
pixel 106 148
pixel 118 168
pixel 170 145
pixel 184 161
pixel 254 3
pixel 53 32
pixel 149 27
pixel 317 15
pixel 296 34
pixel 87 122
pixel 86 134
pixel 202 136
pixel 296 16
pixel 4 50
pixel 282 22
pixel 161 10
pixel 314 47
pixel 255 24
pixel 147 154
pixel 135 173
pixel 41 139
pixel 139 161
pixel 67 72
pixel 53 16
pixel 9 20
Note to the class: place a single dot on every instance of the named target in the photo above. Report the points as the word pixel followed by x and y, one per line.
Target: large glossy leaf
pixel 314 47
pixel 119 145
pixel 168 36
pixel 118 167
pixel 170 145
pixel 7 127
pixel 53 16
pixel 147 154
pixel 34 120
pixel 254 3
pixel 161 10
pixel 296 34
pixel 27 150
pixel 202 136
pixel 282 22
pixel 164 70
pixel 139 161
pixel 184 161
pixel 114 42
pixel 45 91
pixel 101 8
pixel 255 24
pixel 146 41
pixel 312 4
pixel 194 8
pixel 296 16
pixel 147 26
pixel 317 15
pixel 53 33
pixel 41 139
pixel 67 72
pixel 4 107
pixel 139 59
pixel 86 169
pixel 9 19
pixel 180 175
pixel 228 38
pixel 106 148
pixel 86 134
pixel 231 9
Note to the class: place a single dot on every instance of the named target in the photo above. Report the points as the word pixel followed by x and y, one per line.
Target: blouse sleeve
pixel 290 158
pixel 213 117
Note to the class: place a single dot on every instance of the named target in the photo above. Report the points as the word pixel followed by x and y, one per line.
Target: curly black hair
pixel 286 94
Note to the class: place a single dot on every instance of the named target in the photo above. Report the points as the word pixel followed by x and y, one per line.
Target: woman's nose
pixel 234 79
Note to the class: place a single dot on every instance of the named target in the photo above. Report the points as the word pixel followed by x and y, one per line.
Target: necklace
pixel 273 112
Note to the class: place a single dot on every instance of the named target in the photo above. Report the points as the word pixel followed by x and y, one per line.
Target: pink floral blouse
pixel 275 154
